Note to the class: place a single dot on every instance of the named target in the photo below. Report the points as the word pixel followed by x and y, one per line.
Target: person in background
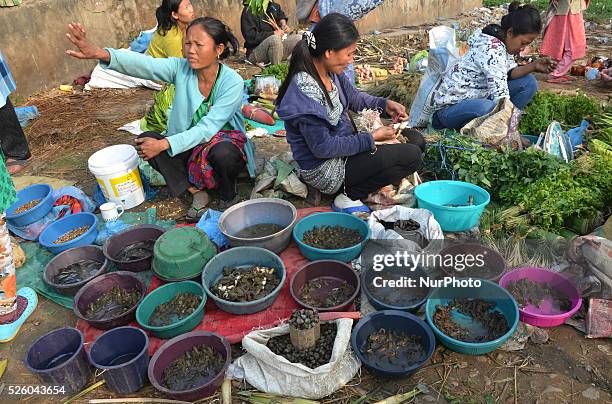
pixel 204 146
pixel 173 17
pixel 267 41
pixel 488 72
pixel 315 100
pixel 12 139
pixel 564 38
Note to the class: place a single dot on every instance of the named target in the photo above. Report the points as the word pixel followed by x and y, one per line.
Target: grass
pixel 599 10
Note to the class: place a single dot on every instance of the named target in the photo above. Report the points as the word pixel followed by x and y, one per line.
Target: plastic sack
pixel 498 127
pixel 26 114
pixel 418 63
pixel 274 374
pixel 209 224
pixel 443 55
pixel 106 78
pixel 429 228
pixel 141 43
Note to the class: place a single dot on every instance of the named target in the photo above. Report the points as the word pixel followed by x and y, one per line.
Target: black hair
pixel 219 32
pixel 523 19
pixel 334 32
pixel 165 22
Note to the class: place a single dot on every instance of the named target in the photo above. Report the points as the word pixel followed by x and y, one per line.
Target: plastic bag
pixel 557 143
pixel 429 228
pixel 443 55
pixel 110 228
pixel 389 195
pixel 26 114
pixel 209 224
pixel 141 42
pixel 266 85
pixel 274 374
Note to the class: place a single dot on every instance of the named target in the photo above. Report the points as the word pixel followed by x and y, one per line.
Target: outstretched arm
pixel 130 63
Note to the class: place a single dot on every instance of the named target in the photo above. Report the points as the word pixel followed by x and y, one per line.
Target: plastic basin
pixel 58 228
pixel 493 268
pixel 489 291
pixel 98 286
pixel 259 211
pixel 243 257
pixel 333 272
pixel 182 253
pixel 43 192
pixel 164 294
pixel 392 320
pixel 71 256
pixel 118 241
pixel 542 317
pixel 394 298
pixel 176 347
pixel 123 355
pixel 434 195
pixel 58 359
pixel 330 219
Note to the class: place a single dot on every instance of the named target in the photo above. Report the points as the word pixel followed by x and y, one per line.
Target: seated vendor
pixel 314 101
pixel 173 17
pixel 488 72
pixel 204 146
pixel 266 36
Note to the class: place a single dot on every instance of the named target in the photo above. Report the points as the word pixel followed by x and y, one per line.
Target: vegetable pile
pixel 280 71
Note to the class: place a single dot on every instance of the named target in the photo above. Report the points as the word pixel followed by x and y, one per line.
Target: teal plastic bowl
pixel 330 219
pixel 435 195
pixel 164 294
pixel 489 291
pixel 243 258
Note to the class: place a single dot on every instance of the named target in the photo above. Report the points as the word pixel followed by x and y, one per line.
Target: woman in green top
pixel 173 17
pixel 204 146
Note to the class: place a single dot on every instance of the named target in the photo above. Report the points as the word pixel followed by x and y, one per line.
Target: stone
pixel 591 393
pixel 552 390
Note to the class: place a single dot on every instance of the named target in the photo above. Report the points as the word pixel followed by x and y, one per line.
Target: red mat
pixel 234 327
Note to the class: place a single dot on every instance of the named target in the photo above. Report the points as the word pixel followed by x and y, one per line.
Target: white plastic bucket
pixel 116 170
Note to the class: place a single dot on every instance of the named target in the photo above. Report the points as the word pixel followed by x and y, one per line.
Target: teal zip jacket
pixel 187 99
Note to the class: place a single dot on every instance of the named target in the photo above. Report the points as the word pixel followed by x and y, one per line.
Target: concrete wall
pixel 32 35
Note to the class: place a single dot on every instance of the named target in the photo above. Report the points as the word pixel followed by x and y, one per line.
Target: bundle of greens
pixel 546 107
pixel 156 119
pixel 280 71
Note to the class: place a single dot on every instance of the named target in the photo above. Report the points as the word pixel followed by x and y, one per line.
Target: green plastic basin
pixel 182 253
pixel 164 294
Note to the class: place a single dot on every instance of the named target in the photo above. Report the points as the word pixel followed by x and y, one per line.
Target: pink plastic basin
pixel 543 316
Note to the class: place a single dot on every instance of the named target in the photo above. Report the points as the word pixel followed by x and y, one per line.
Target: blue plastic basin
pixel 330 219
pixel 43 192
pixel 66 224
pixel 435 195
pixel 392 320
pixel 489 291
pixel 243 257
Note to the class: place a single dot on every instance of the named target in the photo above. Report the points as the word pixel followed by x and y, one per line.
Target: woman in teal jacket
pixel 204 146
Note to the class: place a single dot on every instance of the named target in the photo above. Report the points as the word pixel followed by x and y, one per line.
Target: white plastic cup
pixel 111 211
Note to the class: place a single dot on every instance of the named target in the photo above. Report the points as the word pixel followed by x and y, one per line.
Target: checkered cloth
pixel 7 83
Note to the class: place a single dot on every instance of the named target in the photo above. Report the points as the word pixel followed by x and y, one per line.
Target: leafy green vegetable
pixel 280 71
pixel 546 107
pixel 157 118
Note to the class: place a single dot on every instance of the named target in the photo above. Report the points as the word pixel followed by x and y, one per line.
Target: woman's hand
pixel 148 147
pixel 87 50
pixel 384 133
pixel 544 65
pixel 396 111
pixel 606 75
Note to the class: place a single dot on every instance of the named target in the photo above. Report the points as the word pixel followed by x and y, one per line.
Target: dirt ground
pixel 567 369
